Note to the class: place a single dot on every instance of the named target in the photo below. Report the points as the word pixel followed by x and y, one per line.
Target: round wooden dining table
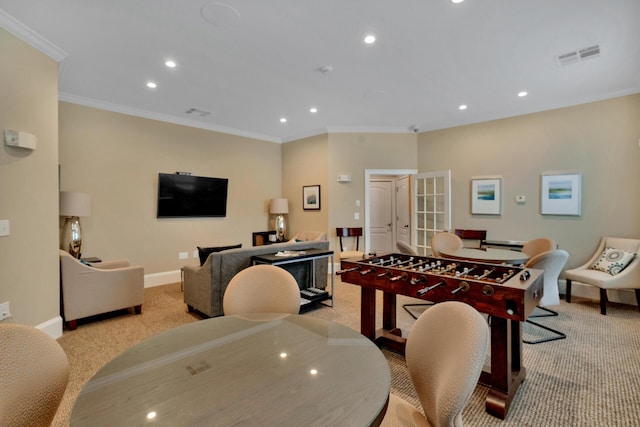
pixel 244 370
pixel 489 255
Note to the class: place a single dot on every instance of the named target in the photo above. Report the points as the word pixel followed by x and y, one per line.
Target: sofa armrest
pixel 111 264
pixel 201 284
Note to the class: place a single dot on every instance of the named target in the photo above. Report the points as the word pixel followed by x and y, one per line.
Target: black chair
pixel 471 238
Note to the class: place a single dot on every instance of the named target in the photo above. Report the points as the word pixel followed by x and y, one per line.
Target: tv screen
pixel 191 196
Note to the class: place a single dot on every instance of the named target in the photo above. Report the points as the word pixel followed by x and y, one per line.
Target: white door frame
pixel 367 176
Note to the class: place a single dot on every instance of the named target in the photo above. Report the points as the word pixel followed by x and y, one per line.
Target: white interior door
pixel 431 207
pixel 403 211
pixel 381 215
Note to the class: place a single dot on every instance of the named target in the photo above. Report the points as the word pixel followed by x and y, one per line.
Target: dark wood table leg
pixel 368 313
pixel 389 311
pixel 506 366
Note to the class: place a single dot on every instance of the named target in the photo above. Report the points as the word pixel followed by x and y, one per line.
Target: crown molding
pixel 116 108
pixel 368 129
pixel 26 34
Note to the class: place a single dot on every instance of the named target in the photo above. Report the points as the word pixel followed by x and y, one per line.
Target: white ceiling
pixel 251 62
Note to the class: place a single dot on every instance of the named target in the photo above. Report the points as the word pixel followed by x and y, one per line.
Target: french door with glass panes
pixel 431 207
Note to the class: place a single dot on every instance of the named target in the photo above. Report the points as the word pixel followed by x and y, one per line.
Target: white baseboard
pixel 164 278
pixel 53 327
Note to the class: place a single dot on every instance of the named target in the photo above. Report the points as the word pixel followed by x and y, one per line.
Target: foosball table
pixel 507 293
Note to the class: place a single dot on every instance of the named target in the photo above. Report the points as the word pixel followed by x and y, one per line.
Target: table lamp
pixel 73 205
pixel 279 207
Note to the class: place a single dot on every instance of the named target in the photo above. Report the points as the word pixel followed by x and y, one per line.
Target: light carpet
pixel 592 378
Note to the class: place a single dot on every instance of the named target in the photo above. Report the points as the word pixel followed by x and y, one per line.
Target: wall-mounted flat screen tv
pixel 182 195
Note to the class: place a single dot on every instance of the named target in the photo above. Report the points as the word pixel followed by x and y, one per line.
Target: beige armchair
pixel 617 277
pixel 309 236
pixel 99 288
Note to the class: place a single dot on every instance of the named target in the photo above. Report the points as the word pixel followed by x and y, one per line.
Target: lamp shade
pixel 279 206
pixel 75 204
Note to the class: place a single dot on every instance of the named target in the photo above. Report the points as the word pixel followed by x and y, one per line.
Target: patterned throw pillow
pixel 613 261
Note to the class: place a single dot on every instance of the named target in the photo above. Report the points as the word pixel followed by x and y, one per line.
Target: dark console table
pixel 309 294
pixel 260 238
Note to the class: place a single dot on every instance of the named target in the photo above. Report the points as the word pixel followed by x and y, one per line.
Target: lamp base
pixel 71 237
pixel 281 227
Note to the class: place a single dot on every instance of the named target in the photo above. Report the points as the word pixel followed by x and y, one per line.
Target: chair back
pixel 552 262
pixel 445 354
pixel 349 232
pixel 629 245
pixel 471 238
pixel 538 246
pixel 404 248
pixel 262 289
pixel 34 371
pixel 310 236
pixel 445 241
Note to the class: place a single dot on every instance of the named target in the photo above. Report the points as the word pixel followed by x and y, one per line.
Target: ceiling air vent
pixel 198 112
pixel 589 52
pixel 578 55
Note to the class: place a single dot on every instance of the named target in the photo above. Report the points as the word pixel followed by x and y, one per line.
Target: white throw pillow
pixel 613 261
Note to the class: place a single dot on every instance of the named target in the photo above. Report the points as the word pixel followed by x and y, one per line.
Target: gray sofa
pixel 204 285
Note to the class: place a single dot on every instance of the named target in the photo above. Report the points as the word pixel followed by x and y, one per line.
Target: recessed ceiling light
pixel 523 93
pixel 369 39
pixel 171 64
pixel 151 85
pixel 283 120
pixel 457 1
pixel 313 110
pixel 462 107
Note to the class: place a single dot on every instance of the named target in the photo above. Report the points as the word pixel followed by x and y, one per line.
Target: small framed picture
pixel 311 197
pixel 560 193
pixel 486 196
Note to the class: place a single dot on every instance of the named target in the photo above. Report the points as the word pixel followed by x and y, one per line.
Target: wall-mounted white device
pixel 344 178
pixel 16 138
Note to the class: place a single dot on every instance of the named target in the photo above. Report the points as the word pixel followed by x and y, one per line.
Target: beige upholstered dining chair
pixel 445 353
pixel 537 246
pixel 614 265
pixel 445 241
pixel 262 289
pixel 99 288
pixel 552 262
pixel 405 248
pixel 34 372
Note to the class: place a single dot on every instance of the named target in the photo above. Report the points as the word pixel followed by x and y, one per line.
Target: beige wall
pixel 352 154
pixel 599 139
pixel 29 183
pixel 306 162
pixel 116 159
